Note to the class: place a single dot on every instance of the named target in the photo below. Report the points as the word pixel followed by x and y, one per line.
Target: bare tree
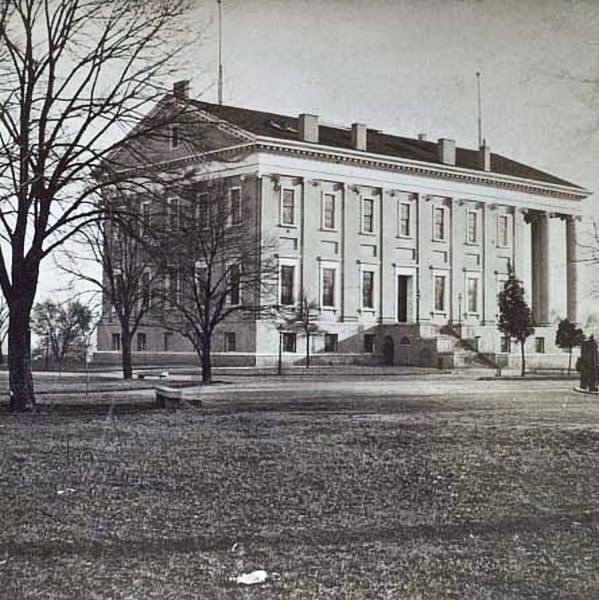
pixel 301 318
pixel 74 76
pixel 215 265
pixel 114 256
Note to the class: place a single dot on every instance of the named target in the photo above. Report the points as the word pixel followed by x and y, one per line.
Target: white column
pixel 540 268
pixel 424 285
pixel 571 270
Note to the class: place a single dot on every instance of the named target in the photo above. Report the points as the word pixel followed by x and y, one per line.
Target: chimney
pixel 308 128
pixel 422 137
pixel 484 157
pixel 181 89
pixel 358 136
pixel 446 151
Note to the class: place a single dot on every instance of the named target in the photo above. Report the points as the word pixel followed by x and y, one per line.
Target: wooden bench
pixel 168 397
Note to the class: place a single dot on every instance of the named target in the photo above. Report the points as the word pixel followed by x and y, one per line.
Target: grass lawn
pixel 460 497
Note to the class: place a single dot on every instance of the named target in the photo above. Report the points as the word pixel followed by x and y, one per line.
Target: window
pixel 145 290
pixel 116 341
pixel 440 293
pixel 168 338
pixel 404 219
pixel 230 341
pixel 202 208
pixel 235 201
pixel 288 207
pixel 540 345
pixel 369 340
pixel 289 342
pixel 234 283
pixel 438 223
pixel 328 287
pixel 328 211
pixel 172 284
pixel 174 137
pixel 367 215
pixel 141 342
pixel 472 293
pixel 472 227
pixel 506 345
pixel 287 281
pixel 367 289
pixel 503 235
pixel 331 342
pixel 173 214
pixel 146 217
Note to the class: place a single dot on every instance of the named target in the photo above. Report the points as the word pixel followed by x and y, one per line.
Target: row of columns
pixel 540 259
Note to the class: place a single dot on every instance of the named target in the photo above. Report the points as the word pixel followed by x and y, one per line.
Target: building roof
pixel 274 125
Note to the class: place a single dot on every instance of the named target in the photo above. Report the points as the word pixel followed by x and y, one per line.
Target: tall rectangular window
pixel 202 208
pixel 472 227
pixel 506 344
pixel 331 342
pixel 440 293
pixel 540 345
pixel 235 198
pixel 167 341
pixel 328 211
pixel 173 214
pixel 503 234
pixel 141 342
pixel 287 281
pixel 288 207
pixel 367 289
pixel 146 218
pixel 230 341
pixel 472 284
pixel 404 219
pixel 116 341
pixel 289 342
pixel 367 215
pixel 438 223
pixel 145 289
pixel 234 283
pixel 328 287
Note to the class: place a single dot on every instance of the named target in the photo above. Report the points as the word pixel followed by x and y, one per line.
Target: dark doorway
pixel 388 350
pixel 402 298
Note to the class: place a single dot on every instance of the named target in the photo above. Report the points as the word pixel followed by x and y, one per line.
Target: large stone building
pixel 402 243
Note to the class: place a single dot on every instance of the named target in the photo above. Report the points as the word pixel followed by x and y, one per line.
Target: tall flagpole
pixel 220 51
pixel 480 118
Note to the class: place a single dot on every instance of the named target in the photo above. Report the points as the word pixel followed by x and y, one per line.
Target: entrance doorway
pixel 404 285
pixel 388 350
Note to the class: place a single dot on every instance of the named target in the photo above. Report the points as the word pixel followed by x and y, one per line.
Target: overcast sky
pixel 409 66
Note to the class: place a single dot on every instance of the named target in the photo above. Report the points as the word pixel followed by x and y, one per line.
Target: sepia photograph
pixel 299 299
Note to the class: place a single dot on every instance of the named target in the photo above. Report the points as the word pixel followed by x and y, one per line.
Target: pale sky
pixel 409 66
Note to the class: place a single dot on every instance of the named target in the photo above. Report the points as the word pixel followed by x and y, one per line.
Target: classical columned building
pixel 402 244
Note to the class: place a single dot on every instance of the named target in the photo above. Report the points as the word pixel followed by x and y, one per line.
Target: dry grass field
pixel 488 495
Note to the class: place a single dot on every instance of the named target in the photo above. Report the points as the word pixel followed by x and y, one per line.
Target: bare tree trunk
pixel 19 359
pixel 307 349
pixel 206 360
pixel 523 369
pixel 126 352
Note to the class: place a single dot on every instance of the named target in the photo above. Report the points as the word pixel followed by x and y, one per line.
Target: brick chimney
pixel 446 151
pixel 358 136
pixel 308 127
pixel 422 137
pixel 484 157
pixel 181 89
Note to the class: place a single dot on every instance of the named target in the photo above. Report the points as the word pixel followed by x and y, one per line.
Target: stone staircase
pixel 465 351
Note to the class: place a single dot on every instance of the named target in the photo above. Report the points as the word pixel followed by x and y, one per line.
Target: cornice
pixel 370 161
pixel 412 167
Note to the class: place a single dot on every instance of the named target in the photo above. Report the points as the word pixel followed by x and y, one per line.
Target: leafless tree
pixel 301 318
pixel 114 256
pixel 75 75
pixel 215 265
